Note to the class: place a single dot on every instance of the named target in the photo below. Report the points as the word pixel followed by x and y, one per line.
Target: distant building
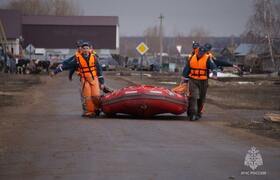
pixel 61 32
pixel 256 57
pixel 128 44
pixel 228 53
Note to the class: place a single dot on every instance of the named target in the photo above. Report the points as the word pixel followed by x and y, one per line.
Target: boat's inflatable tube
pixel 143 101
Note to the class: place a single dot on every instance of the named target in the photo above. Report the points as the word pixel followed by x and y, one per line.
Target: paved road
pixel 49 140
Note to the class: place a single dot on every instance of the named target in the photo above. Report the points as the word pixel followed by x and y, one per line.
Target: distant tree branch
pixel 199 34
pixel 45 7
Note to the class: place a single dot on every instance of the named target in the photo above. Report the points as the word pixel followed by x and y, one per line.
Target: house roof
pixel 71 20
pixel 245 49
pixel 12 21
pixel 216 50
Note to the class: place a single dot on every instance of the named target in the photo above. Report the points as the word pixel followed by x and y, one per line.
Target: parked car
pixel 133 63
pixel 108 63
pixel 148 64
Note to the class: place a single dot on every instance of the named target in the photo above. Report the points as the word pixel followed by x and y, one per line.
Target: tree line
pixel 45 7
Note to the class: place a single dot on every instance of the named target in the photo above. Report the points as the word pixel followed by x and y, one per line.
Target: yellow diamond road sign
pixel 142 48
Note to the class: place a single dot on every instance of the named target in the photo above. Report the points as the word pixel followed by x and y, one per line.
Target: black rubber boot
pixel 193 118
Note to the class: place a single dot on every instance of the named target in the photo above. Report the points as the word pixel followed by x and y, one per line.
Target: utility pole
pixel 160 41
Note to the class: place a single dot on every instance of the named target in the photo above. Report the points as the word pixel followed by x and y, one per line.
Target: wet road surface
pixel 48 139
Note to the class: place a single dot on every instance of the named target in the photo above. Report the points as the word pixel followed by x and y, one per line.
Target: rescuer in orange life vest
pixel 91 77
pixel 79 50
pixel 196 73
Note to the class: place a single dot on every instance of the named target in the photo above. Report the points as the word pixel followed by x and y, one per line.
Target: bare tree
pixel 63 7
pixel 45 7
pixel 184 41
pixel 199 34
pixel 179 37
pixel 151 35
pixel 264 24
pixel 27 7
pixel 250 37
pixel 265 19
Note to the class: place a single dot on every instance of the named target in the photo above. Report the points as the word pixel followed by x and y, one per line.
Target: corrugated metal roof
pixel 71 20
pixel 244 49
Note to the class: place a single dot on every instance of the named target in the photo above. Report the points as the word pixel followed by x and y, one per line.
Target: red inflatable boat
pixel 143 101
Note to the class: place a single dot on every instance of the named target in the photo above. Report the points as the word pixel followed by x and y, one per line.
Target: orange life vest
pixel 86 69
pixel 198 68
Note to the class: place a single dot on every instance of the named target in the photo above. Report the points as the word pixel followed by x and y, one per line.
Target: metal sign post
pixel 141 68
pixel 142 48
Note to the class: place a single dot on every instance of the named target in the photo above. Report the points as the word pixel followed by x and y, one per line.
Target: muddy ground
pixel 247 98
pixel 43 136
pixel 14 88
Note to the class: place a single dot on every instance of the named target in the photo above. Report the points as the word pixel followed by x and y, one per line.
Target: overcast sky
pixel 219 17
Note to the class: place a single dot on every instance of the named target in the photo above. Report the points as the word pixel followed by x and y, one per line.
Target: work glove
pixel 107 90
